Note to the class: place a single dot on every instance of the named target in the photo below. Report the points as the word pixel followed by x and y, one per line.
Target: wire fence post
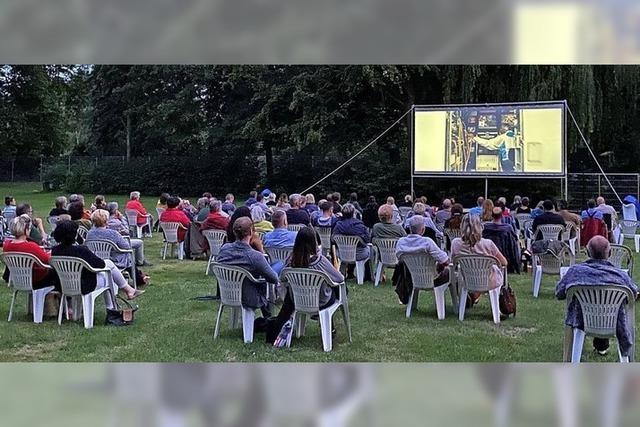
pixel 599 191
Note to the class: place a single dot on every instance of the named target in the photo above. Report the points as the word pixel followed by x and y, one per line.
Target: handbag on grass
pixel 507 299
pixel 121 316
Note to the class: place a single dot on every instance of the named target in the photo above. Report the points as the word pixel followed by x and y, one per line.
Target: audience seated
pixel 335 199
pixel 605 208
pixel 538 210
pixel 118 223
pixel 597 271
pixel 255 241
pixel 505 239
pixel 295 215
pixel 260 202
pixel 548 217
pixel 325 217
pixel 134 204
pixel 86 214
pixel 566 215
pixel 370 212
pixel 203 208
pixel 260 224
pixel 20 228
pixel 60 207
pixel 524 206
pixel 162 201
pixel 76 212
pixel 251 200
pixel 271 200
pixel 98 203
pixel 431 231
pixel 517 202
pixel 37 233
pixel 407 202
pixel 283 202
pixel 591 211
pixel 9 210
pixel 444 213
pixel 280 237
pixel 99 231
pixel 347 225
pixel 173 214
pixel 477 210
pixel 353 199
pixel 487 211
pixel 397 218
pixel 239 253
pixel 385 229
pixel 228 206
pixel 311 206
pixel 457 212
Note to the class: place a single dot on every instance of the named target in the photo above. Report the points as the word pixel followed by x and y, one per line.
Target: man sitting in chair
pixel 240 254
pixel 598 271
pixel 173 214
pixel 548 217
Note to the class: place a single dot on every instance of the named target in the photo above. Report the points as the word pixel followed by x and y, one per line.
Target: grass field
pixel 171 327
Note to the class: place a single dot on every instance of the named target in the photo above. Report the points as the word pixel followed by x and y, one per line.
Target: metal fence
pixel 584 186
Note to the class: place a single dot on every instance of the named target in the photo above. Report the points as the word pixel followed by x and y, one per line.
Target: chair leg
pixel 181 251
pixel 248 316
pixel 360 265
pixel 378 273
pixel 325 329
pixel 439 294
pixel 636 240
pixel 164 252
pixel 347 321
pixel 494 295
pixel 462 303
pixel 410 303
pixel 302 325
pixel 87 307
pixel 216 330
pixel 578 342
pixel 63 304
pixel 13 300
pixel 537 279
pixel 235 317
pixel 38 304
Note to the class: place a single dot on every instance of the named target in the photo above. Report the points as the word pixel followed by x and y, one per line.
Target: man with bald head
pixel 241 254
pixel 597 271
pixel 605 208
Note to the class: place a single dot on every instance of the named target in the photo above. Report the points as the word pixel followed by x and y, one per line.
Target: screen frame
pixel 519 175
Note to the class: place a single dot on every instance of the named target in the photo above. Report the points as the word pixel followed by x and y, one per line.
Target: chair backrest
pixel 629 212
pixel 215 239
pixel 325 237
pixel 452 233
pixel 552 262
pixel 81 235
pixel 132 217
pixel 386 250
pixel 475 271
pixel 20 266
pixel 101 248
pixel 230 279
pixel 170 230
pixel 621 257
pixel 278 254
pixel 347 246
pixel 69 271
pixel 520 218
pixel 295 227
pixel 550 231
pixel 600 305
pixel 159 212
pixel 305 284
pixel 53 221
pixel 566 234
pixel 526 224
pixel 629 227
pixel 404 211
pixel 3 225
pixel 423 269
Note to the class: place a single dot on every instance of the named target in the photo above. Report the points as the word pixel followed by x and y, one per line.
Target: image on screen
pixel 496 139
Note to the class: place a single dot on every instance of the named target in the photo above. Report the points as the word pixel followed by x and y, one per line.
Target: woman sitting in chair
pixel 65 235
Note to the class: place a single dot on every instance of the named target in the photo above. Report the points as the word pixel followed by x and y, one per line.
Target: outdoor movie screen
pixel 490 139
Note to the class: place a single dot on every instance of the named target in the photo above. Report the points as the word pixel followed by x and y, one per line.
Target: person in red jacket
pixel 215 220
pixel 173 214
pixel 134 204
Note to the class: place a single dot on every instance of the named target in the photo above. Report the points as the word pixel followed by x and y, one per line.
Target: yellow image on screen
pixel 501 140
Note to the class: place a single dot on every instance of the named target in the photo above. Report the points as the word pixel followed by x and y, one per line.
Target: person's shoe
pixel 602 352
pixel 136 294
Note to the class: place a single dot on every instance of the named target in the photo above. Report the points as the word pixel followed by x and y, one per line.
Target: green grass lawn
pixel 171 327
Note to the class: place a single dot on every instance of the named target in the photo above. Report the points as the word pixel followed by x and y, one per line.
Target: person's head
pixel 173 202
pixel 525 202
pixel 330 197
pixel 348 210
pixel 423 199
pixel 266 193
pixel 216 206
pixel 385 213
pixel 99 201
pixel 487 208
pixel 517 200
pixel 471 230
pixel 353 197
pixel 253 194
pixel 419 208
pixel 24 209
pixel 207 195
pixel 202 203
pixel 326 206
pixel 372 200
pixel 304 247
pixel 243 228
pixel 163 198
pixel 76 210
pixel 496 214
pixel 61 202
pixel 457 209
pixel 99 218
pixel 311 200
pixel 562 205
pixel 21 226
pixel 547 205
pixel 408 198
pixel 65 233
pixel 229 198
pixel 259 197
pixel 135 195
pixel 279 219
pixel 416 225
pixel 294 200
pixel 480 201
pixel 446 204
pixel 501 204
pixel 600 200
pixel 272 197
pixel 283 198
pixel 76 198
pixel 599 248
pixel 336 197
pixel 112 207
pixel 9 201
pixel 257 214
pixel 502 200
pixel 391 201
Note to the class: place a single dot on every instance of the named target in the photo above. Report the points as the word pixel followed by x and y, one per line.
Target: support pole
pixel 486 188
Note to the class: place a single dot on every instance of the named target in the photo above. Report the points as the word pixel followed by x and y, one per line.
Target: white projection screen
pixel 521 139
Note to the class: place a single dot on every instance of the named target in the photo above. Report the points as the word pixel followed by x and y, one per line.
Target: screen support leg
pixel 486 188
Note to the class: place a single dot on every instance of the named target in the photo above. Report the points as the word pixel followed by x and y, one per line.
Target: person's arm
pixel 90 257
pixel 40 253
pixel 331 271
pixel 264 269
pixel 438 254
pixel 496 253
pixel 363 232
pixel 256 242
pixel 121 242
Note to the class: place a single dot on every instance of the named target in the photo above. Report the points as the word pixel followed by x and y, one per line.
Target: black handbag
pixel 121 316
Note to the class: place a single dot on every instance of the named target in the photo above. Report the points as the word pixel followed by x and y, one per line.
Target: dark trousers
pixel 601 344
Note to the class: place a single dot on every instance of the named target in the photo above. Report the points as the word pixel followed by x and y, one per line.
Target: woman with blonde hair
pixel 487 211
pixel 472 243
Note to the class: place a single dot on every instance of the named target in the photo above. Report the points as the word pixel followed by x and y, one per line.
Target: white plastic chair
pixel 600 305
pixel 170 230
pixel 132 219
pixel 81 235
pixel 159 212
pixel 423 269
pixel 215 238
pixel 452 233
pixel 305 285
pixel 622 257
pixel 230 279
pixel 520 220
pixel 386 256
pixel 527 233
pixel 104 249
pixel 295 227
pixel 278 254
pixel 629 230
pixel 474 272
pixel 573 242
pixel 69 271
pixel 325 240
pixel 550 263
pixel 53 222
pixel 550 231
pixel 20 266
pixel 347 246
pixel 629 212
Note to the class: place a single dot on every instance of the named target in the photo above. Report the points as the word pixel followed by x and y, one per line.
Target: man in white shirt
pixel 605 209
